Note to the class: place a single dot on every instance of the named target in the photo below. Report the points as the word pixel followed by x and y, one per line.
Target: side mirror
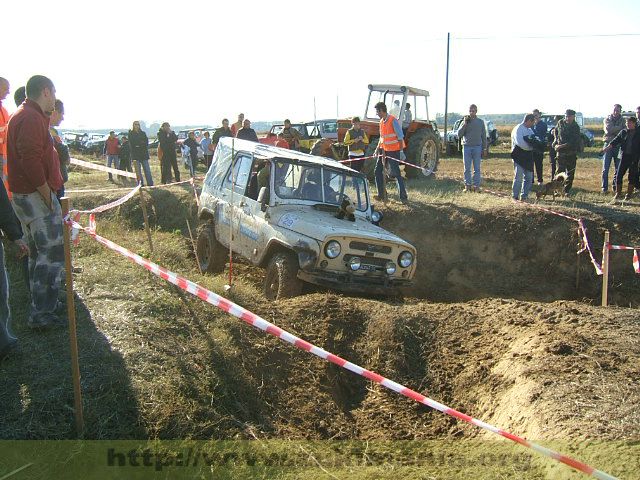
pixel 263 198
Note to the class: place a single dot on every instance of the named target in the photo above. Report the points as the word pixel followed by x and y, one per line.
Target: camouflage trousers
pixel 42 229
pixel 5 314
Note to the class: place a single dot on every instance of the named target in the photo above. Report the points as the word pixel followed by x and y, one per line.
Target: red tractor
pixel 422 140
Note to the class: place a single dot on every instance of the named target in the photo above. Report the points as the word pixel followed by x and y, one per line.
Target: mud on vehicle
pixel 303 219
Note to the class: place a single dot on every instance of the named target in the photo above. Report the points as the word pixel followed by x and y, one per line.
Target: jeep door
pixel 246 213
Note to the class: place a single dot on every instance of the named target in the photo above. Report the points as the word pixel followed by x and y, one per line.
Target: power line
pixel 540 37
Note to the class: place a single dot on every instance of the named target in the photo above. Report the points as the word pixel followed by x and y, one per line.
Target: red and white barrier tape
pixel 636 262
pixel 102 168
pixel 114 204
pixel 424 170
pixel 262 324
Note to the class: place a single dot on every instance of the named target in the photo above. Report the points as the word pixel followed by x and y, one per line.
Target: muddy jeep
pixel 302 218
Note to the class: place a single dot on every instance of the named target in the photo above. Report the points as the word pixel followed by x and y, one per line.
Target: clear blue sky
pixel 190 63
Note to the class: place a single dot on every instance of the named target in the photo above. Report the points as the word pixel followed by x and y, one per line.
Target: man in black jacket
pixel 139 145
pixel 629 141
pixel 246 132
pixel 168 139
pixel 11 228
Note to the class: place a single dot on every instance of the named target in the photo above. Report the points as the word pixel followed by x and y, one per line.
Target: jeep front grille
pixel 369 247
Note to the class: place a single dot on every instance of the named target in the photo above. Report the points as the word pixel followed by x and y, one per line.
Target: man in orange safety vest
pixel 392 143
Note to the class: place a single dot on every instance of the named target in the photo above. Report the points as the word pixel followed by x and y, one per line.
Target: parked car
pixel 94 144
pixel 74 140
pixel 327 128
pixel 311 222
pixel 454 144
pixel 308 131
pixel 588 138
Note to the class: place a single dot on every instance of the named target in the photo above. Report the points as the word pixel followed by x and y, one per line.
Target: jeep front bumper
pixel 349 282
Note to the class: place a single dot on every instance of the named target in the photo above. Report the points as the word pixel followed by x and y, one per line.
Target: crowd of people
pixel 532 139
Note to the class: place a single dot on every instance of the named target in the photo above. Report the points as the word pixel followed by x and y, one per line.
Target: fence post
pixel 605 268
pixel 71 313
pixel 146 219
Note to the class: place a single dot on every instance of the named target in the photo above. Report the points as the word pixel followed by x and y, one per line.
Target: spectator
pixel 356 140
pixel 4 119
pixel 395 110
pixel 391 142
pixel 34 177
pixel 522 154
pixel 628 140
pixel 20 95
pixel 11 228
pixel 205 145
pixel 112 149
pixel 567 146
pixel 407 119
pixel 64 159
pixel 223 131
pixel 551 139
pixel 168 141
pixel 473 134
pixel 290 135
pixel 247 133
pixel 237 125
pixel 125 154
pixel 192 144
pixel 139 148
pixel 613 125
pixel 540 131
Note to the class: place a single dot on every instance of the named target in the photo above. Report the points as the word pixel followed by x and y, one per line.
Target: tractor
pixel 422 140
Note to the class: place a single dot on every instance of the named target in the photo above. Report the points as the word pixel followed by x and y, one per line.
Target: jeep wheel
pixel 212 256
pixel 281 280
pixel 423 151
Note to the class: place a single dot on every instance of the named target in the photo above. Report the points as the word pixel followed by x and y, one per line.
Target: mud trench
pixel 494 327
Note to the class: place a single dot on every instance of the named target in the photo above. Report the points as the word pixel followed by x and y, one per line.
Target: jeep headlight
pixel 354 263
pixel 332 249
pixel 376 216
pixel 405 259
pixel 390 267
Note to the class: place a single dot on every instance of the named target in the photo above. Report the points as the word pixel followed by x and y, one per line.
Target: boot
pixel 629 192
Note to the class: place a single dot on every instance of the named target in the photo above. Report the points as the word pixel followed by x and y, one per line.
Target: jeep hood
pixel 320 225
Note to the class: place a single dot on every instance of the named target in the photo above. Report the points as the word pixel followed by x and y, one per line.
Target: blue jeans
pixel 606 165
pixel 394 167
pixel 472 155
pixel 521 188
pixel 147 171
pixel 113 159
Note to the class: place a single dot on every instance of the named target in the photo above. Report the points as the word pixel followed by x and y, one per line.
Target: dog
pixel 555 186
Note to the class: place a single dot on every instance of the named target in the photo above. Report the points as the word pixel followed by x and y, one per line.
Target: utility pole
pixel 446 95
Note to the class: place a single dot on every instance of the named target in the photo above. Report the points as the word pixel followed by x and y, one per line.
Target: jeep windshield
pixel 319 184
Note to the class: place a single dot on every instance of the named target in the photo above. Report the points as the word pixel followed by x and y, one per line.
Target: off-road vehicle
pixel 422 140
pixel 303 218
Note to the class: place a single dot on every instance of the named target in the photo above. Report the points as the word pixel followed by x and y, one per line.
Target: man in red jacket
pixel 112 149
pixel 34 178
pixel 4 119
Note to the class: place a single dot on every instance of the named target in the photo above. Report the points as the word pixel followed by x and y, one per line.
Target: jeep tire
pixel 211 254
pixel 281 279
pixel 423 151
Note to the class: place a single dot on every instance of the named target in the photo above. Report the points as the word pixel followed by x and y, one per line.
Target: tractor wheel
pixel 281 280
pixel 211 253
pixel 423 151
pixel 322 148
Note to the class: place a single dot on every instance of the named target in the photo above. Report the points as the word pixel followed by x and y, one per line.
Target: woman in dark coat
pixel 139 147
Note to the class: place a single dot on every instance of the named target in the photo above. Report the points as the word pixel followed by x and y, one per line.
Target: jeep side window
pixel 241 174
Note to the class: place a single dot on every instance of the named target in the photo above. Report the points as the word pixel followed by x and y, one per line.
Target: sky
pixel 197 62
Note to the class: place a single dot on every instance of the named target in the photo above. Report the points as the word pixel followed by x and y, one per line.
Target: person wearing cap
pixel 112 149
pixel 567 146
pixel 613 125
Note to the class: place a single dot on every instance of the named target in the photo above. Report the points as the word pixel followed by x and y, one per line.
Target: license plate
pixel 369 268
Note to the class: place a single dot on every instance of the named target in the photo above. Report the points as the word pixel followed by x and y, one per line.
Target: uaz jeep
pixel 303 218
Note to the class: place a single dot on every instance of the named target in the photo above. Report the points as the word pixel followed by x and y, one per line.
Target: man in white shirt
pixel 522 154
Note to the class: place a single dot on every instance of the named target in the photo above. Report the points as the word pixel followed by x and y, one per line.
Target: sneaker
pixel 467 188
pixel 10 346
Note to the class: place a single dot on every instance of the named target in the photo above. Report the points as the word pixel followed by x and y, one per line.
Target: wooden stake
pixel 146 219
pixel 578 272
pixel 71 313
pixel 605 268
